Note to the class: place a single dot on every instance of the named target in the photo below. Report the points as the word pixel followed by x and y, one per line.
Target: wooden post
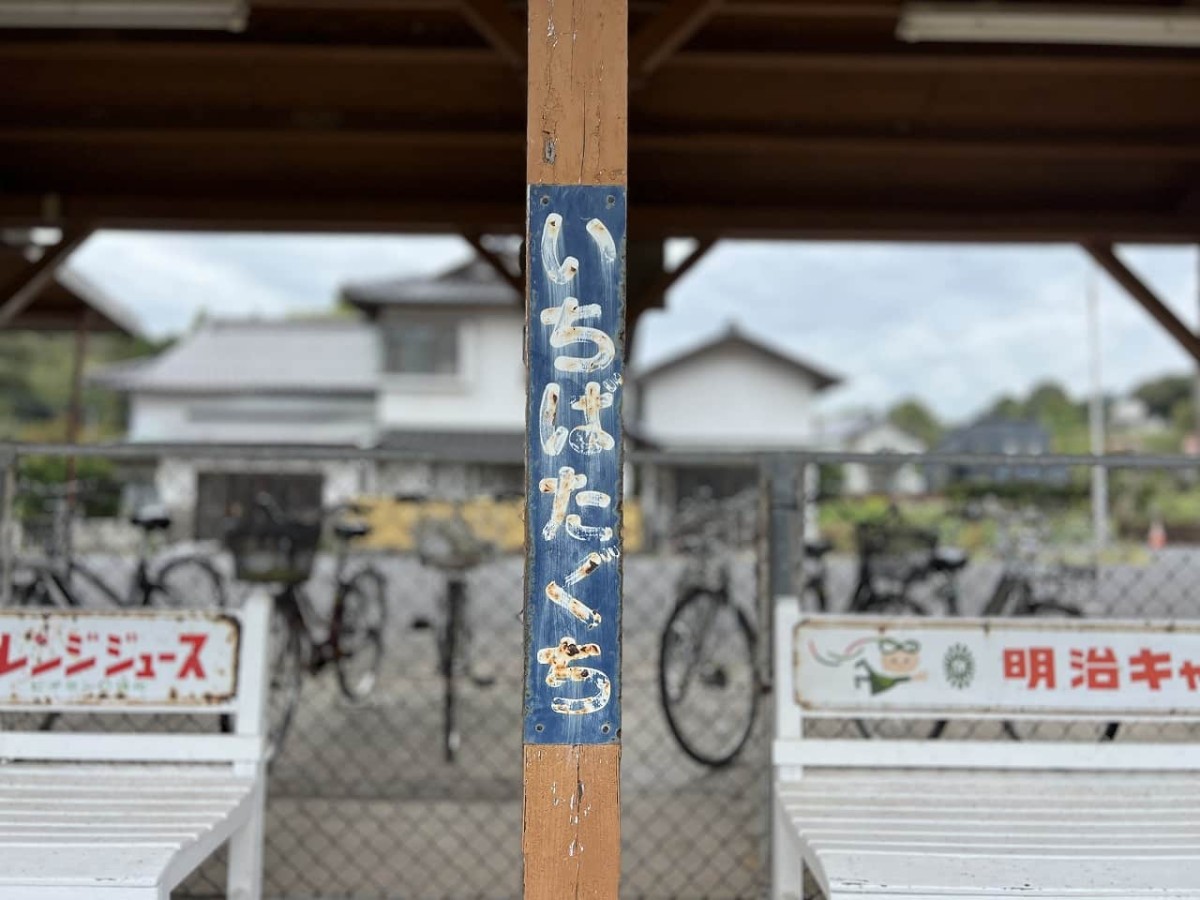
pixel 578 73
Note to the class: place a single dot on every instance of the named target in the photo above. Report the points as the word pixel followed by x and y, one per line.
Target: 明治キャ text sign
pixel 909 666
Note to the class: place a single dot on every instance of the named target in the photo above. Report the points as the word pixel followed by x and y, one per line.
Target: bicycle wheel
pixel 707 682
pixel 451 645
pixel 287 672
pixel 188 582
pixel 897 729
pixel 1055 731
pixel 359 648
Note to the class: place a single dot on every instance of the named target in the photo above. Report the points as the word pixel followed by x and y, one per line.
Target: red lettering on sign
pixel 1097 669
pixel 7 663
pixel 191 664
pixel 46 666
pixel 1033 665
pixel 1152 668
pixel 122 666
pixel 1191 672
pixel 81 666
pixel 147 667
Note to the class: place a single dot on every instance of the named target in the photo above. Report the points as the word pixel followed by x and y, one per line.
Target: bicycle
pixel 449 545
pixel 271 547
pixel 1030 586
pixel 894 557
pixel 177 581
pixel 709 685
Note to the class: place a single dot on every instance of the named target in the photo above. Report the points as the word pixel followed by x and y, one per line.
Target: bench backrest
pixel 173 663
pixel 1011 669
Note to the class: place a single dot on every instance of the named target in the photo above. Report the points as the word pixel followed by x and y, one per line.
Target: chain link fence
pixel 364 803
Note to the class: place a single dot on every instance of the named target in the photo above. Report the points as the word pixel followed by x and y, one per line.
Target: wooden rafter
pixel 700 142
pixel 723 217
pixel 1108 260
pixel 494 260
pixel 27 284
pixel 666 33
pixel 499 27
pixel 658 288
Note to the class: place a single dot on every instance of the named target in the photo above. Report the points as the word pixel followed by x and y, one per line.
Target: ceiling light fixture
pixel 223 15
pixel 1033 24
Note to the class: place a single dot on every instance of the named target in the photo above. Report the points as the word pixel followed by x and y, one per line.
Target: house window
pixel 422 348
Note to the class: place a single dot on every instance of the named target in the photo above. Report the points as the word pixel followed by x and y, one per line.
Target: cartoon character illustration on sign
pixel 898 662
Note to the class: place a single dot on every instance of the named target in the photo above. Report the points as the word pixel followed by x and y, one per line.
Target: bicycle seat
pixel 151 518
pixel 949 559
pixel 817 549
pixel 350 529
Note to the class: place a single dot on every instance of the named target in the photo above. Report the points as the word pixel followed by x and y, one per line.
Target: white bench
pixel 127 816
pixel 986 818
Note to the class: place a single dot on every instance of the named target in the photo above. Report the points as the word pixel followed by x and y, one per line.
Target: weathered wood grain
pixel 572 833
pixel 578 92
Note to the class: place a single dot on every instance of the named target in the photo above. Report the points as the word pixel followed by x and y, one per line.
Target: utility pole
pixel 1096 414
pixel 575 324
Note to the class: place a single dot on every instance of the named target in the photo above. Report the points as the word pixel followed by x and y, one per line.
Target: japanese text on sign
pixel 88 659
pixel 573 515
pixel 1043 666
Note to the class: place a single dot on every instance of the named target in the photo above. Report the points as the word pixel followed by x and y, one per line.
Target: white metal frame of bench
pixel 943 819
pixel 127 816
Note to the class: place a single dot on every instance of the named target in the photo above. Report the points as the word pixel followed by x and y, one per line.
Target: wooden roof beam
pixel 493 259
pixel 505 32
pixel 666 33
pixel 700 142
pixel 717 218
pixel 652 294
pixel 24 287
pixel 1108 260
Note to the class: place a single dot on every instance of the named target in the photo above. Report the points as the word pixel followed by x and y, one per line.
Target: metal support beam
pixel 575 240
pixel 21 290
pixel 1137 289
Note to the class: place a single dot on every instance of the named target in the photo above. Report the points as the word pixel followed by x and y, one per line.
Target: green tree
pixel 1053 408
pixel 917 419
pixel 1163 394
pixel 1007 407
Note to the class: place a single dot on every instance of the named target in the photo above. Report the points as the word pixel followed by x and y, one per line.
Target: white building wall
pixel 907 479
pixel 175 478
pixel 487 394
pixel 732 397
pixel 250 419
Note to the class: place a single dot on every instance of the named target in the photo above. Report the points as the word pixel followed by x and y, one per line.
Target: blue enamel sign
pixel 575 324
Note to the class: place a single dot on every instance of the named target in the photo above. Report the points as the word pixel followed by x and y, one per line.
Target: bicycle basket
pixel 895 552
pixel 266 551
pixel 449 544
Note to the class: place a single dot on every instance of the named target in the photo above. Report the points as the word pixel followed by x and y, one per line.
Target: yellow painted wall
pixel 499 522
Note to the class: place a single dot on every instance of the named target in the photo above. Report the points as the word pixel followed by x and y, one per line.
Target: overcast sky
pixel 955 325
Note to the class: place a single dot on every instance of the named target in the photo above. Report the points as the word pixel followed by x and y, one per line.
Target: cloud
pixel 954 324
pixel 166 279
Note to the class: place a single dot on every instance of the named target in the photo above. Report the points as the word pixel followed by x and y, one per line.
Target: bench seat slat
pixel 991 834
pixel 963 875
pixel 120 833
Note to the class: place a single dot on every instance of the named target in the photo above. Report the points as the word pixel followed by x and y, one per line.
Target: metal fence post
pixel 8 548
